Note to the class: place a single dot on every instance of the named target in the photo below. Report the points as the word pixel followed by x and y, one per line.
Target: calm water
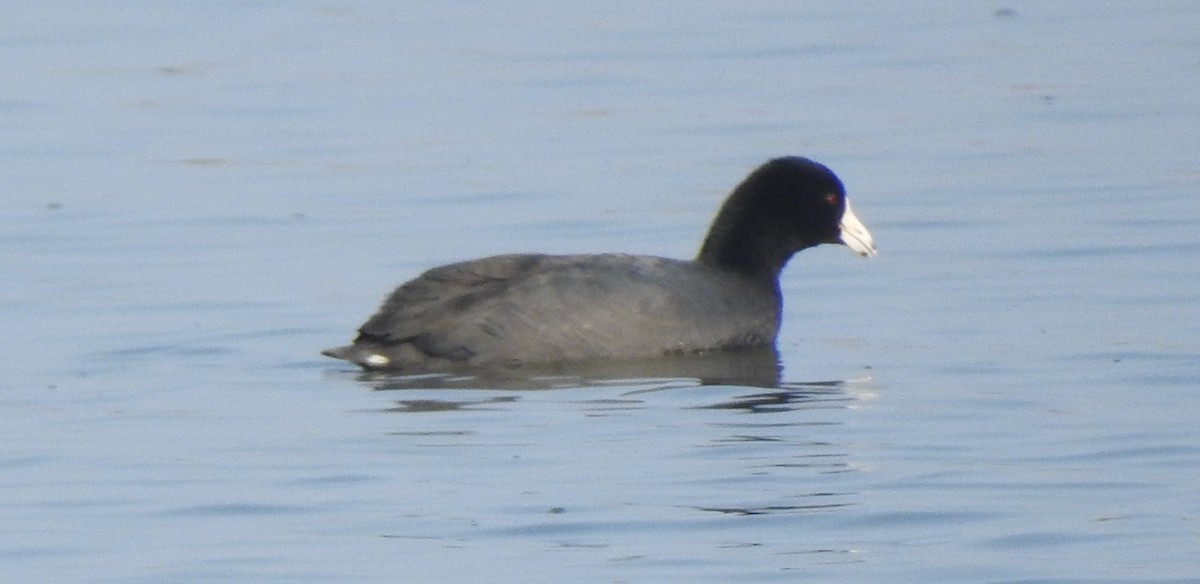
pixel 200 196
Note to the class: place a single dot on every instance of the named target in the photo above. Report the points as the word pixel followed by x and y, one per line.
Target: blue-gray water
pixel 200 196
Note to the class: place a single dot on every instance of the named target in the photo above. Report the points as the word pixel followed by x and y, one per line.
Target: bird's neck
pixel 745 250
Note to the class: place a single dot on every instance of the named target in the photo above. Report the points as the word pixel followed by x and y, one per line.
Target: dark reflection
pixel 747 367
pixel 791 396
pixel 438 405
pixel 779 509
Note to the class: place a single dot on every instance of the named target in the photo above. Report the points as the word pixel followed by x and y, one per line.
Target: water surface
pixel 201 197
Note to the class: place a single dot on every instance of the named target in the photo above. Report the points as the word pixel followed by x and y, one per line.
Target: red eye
pixel 831 199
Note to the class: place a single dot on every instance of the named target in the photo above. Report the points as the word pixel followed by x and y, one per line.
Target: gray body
pixel 517 309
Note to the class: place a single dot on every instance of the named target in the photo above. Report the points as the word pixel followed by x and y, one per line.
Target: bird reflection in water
pixel 757 368
pixel 752 367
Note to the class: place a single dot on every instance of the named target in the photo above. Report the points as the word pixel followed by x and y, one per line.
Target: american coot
pixel 509 310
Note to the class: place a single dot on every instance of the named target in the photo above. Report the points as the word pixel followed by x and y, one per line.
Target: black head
pixel 784 206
